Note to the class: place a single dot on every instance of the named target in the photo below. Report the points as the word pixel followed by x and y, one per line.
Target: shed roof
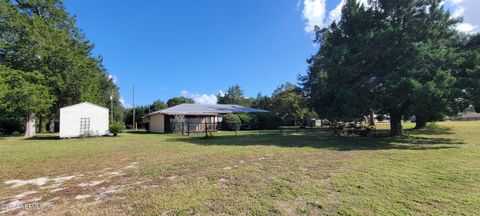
pixel 84 103
pixel 207 109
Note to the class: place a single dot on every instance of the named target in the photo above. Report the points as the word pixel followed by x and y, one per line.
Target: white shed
pixel 83 119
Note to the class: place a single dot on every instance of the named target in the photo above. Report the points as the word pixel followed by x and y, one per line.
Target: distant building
pixel 467 116
pixel 83 119
pixel 195 116
pixel 315 123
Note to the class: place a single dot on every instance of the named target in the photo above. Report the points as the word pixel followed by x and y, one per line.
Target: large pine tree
pixel 391 56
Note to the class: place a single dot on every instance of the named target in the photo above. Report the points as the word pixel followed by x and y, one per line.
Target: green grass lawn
pixel 430 172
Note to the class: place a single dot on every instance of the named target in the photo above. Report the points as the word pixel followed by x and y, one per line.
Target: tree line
pixel 399 58
pixel 287 103
pixel 141 111
pixel 396 58
pixel 46 63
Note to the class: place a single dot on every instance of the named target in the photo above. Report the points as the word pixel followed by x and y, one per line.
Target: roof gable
pixel 84 104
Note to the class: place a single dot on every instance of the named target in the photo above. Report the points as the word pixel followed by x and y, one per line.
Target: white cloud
pixel 120 99
pixel 205 99
pixel 184 93
pixel 466 27
pixel 459 11
pixel 314 14
pixel 468 9
pixel 113 78
pixel 336 13
pixel 456 1
pixel 124 103
pixel 200 98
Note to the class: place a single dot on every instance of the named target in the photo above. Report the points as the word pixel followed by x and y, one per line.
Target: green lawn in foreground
pixel 430 172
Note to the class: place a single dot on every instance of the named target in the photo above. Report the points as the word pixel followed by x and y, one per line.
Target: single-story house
pixel 83 119
pixel 195 116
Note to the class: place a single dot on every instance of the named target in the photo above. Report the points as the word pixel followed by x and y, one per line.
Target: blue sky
pixel 198 48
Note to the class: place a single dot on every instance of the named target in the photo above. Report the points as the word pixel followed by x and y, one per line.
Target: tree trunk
pixel 40 126
pixel 51 126
pixel 30 126
pixel 420 122
pixel 371 119
pixel 396 124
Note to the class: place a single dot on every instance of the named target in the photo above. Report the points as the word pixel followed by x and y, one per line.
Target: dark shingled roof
pixel 207 109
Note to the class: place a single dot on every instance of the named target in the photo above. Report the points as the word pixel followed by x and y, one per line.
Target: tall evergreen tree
pixel 387 57
pixel 179 100
pixel 262 102
pixel 467 72
pixel 339 83
pixel 157 105
pixel 234 95
pixel 432 68
pixel 417 74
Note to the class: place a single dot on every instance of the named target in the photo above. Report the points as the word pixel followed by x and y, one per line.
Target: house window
pixel 84 126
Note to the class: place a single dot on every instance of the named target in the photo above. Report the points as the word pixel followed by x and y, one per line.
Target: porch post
pixel 206 129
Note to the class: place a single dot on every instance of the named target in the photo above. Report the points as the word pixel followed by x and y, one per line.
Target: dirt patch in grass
pixel 87 187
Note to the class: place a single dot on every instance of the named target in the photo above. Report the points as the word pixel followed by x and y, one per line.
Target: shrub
pixel 231 122
pixel 249 121
pixel 352 129
pixel 363 130
pixel 116 128
pixel 268 121
pixel 326 123
pixel 433 127
pixel 16 133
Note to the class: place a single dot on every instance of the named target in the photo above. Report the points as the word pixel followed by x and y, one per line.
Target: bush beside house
pixel 231 122
pixel 249 121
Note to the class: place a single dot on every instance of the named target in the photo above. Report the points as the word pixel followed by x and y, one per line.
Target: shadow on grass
pixel 137 132
pixel 431 129
pixel 44 137
pixel 325 140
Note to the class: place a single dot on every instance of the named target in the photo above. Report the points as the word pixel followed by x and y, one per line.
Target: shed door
pixel 84 126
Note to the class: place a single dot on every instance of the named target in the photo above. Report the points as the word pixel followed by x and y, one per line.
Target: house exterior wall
pixel 70 120
pixel 195 123
pixel 157 124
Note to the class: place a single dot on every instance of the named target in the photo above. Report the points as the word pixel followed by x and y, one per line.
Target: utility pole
pixel 111 105
pixel 134 124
